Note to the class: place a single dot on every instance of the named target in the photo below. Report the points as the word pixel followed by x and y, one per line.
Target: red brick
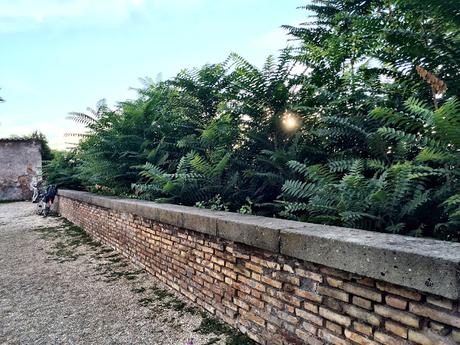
pixel 362 291
pixel 398 315
pixel 362 328
pixel 331 338
pixel 396 328
pixel 335 317
pixel 409 294
pixel 309 275
pixel 361 302
pixel 253 267
pixel 308 295
pixel 271 282
pixel 396 302
pixel 435 314
pixel 334 293
pixel 440 302
pixel 359 338
pixel 309 316
pixel 388 339
pixel 333 327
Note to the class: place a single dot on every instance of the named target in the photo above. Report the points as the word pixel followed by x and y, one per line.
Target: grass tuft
pixel 211 325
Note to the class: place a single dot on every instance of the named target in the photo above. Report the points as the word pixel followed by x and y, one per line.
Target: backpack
pixel 51 191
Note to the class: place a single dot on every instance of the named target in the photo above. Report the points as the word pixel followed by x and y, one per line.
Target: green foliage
pixel 341 129
pixel 214 203
pixel 63 170
pixel 396 35
pixel 47 154
pixel 414 192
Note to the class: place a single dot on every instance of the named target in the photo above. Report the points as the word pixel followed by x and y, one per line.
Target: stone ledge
pixel 422 264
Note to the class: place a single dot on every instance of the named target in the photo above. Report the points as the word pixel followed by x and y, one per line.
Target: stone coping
pixel 421 264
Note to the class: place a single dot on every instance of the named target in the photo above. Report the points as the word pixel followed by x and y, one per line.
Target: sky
pixel 59 56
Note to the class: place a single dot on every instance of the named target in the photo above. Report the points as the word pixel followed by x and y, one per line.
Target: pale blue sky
pixel 59 56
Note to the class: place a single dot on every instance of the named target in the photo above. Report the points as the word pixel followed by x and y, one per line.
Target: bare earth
pixel 57 286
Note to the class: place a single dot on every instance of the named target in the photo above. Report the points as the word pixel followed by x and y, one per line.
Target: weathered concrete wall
pixel 285 282
pixel 20 162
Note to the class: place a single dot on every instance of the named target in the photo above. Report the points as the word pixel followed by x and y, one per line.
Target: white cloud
pixel 22 15
pixel 42 10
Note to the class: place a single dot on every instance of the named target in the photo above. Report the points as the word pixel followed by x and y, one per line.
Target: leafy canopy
pixel 357 125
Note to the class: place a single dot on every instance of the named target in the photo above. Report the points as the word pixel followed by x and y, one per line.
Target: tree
pixel 414 190
pixel 47 154
pixel 63 170
pixel 358 126
pixel 394 35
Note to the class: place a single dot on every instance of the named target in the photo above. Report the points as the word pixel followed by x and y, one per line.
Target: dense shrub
pixel 62 170
pixel 358 126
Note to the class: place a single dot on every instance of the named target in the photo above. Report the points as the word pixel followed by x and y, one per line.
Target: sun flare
pixel 290 121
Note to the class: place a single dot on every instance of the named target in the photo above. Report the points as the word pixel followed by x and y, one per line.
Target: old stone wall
pixel 20 163
pixel 265 276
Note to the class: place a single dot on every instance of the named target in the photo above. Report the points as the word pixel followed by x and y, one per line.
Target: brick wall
pixel 274 298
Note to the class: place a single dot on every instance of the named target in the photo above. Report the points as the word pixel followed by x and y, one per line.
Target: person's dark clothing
pixel 51 192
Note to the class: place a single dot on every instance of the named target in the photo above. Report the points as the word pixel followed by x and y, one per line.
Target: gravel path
pixel 57 286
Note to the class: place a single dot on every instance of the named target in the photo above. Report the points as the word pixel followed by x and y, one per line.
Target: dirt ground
pixel 58 286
